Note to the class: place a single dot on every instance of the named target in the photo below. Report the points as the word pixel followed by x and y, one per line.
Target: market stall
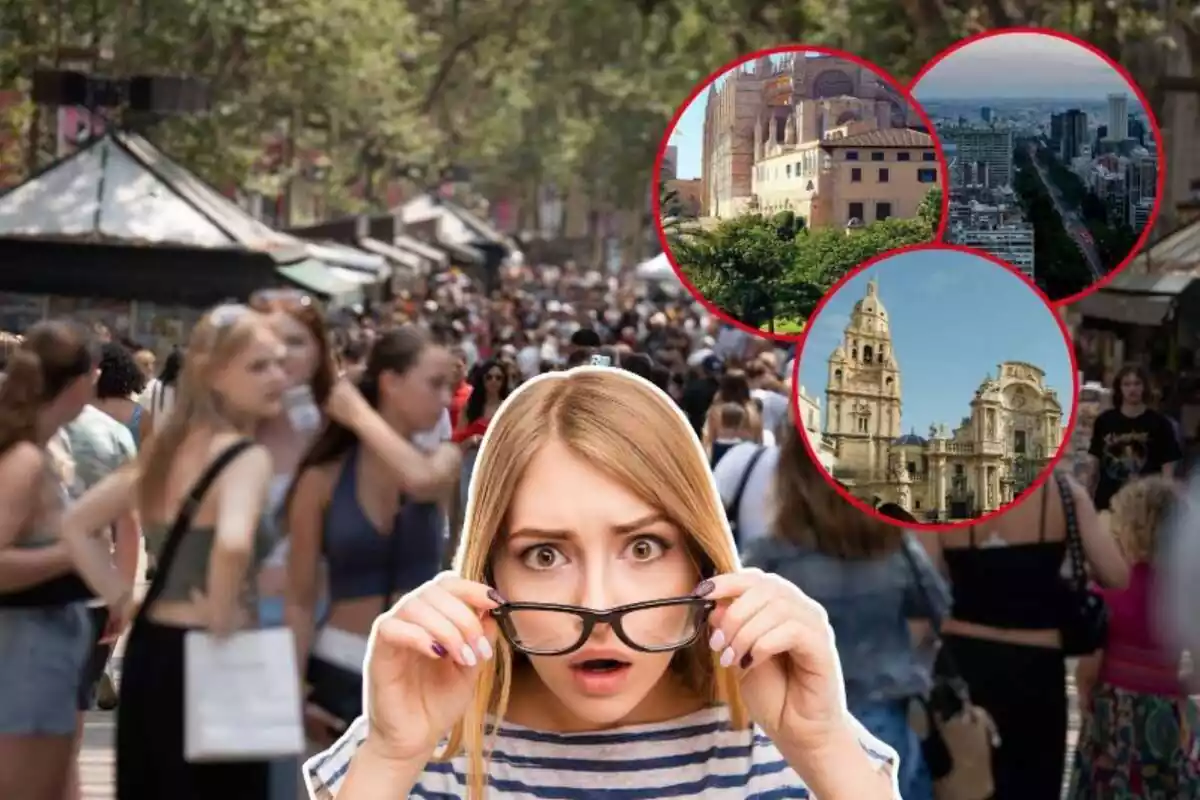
pixel 119 233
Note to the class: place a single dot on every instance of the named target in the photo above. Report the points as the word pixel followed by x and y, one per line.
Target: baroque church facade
pixel 771 106
pixel 1012 432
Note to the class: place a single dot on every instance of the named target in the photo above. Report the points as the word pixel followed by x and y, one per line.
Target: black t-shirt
pixel 1130 447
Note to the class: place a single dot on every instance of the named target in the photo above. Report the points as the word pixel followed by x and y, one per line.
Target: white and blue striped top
pixel 698 755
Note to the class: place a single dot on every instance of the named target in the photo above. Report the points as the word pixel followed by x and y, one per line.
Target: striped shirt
pixel 698 755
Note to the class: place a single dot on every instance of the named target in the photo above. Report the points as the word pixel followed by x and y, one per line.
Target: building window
pixel 862 424
pixel 883 211
pixel 852 155
pixel 856 211
pixel 856 175
pixel 929 156
pixel 877 155
pixel 927 175
pixel 904 156
pixel 884 175
pixel 789 170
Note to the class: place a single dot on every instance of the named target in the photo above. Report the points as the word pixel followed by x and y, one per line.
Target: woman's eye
pixel 646 548
pixel 542 556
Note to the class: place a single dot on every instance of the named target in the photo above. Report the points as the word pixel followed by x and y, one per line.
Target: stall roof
pixel 1178 250
pixel 1149 310
pixel 1167 283
pixel 339 286
pixel 1136 299
pixel 120 187
pixel 406 258
pixel 475 229
pixel 422 249
pixel 340 255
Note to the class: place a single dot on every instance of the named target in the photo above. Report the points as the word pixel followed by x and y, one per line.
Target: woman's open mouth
pixel 599 677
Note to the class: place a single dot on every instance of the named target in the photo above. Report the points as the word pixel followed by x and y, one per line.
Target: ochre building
pixel 1013 431
pixel 821 136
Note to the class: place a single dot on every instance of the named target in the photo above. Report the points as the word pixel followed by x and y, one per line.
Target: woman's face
pixel 303 350
pixel 146 362
pixel 420 395
pixel 252 383
pixel 1132 389
pixel 494 380
pixel 576 537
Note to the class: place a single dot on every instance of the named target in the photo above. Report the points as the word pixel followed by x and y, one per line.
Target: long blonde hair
pixel 625 427
pixel 219 336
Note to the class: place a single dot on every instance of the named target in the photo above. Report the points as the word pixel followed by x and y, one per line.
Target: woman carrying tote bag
pixel 200 486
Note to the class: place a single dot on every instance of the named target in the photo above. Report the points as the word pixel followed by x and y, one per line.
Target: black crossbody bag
pixel 1084 628
pixel 734 510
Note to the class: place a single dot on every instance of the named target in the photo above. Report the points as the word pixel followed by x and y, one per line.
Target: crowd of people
pixel 297 468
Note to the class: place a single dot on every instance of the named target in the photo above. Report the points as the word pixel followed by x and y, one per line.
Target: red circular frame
pixel 1042 477
pixel 702 86
pixel 1155 129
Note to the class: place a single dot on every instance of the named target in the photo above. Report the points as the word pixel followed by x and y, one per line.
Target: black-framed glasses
pixel 655 626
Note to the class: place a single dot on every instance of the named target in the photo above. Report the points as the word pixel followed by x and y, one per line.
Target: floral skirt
pixel 1133 745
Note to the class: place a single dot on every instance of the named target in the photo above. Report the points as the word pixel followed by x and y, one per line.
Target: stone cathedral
pixel 1013 431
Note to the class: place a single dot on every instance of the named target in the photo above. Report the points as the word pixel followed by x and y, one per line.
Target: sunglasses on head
pixel 295 298
pixel 227 313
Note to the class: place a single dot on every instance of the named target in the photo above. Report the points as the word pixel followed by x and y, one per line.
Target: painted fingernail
pixel 717 641
pixel 727 657
pixel 495 597
pixel 468 656
pixel 746 661
pixel 484 647
pixel 704 588
pixel 438 650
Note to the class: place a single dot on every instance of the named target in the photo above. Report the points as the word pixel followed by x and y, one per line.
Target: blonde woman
pixel 232 380
pixel 635 654
pixel 1138 737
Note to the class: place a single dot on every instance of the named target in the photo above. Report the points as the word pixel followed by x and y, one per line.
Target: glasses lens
pixel 542 631
pixel 663 627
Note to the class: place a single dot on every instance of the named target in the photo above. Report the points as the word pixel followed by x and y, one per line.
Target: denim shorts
pixel 42 656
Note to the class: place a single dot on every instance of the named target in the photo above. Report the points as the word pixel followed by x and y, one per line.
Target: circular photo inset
pixel 786 170
pixel 937 380
pixel 1054 155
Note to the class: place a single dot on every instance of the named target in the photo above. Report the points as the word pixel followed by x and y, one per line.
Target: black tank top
pixel 1014 586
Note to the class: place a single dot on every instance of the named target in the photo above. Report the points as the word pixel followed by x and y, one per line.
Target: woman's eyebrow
pixel 619 529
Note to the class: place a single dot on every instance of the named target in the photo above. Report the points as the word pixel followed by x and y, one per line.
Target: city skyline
pixel 688 134
pixel 1014 66
pixel 986 312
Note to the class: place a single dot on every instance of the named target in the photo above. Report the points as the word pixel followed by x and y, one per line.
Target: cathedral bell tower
pixel 863 389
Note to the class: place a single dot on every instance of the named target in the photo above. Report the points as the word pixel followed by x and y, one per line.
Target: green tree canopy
pixel 759 269
pixel 521 92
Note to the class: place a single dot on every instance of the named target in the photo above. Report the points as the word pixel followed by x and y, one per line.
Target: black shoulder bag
pixel 183 520
pixel 957 736
pixel 734 509
pixel 1084 628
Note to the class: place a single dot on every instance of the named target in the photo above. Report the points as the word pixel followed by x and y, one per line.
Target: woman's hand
pixel 345 402
pixel 424 660
pixel 780 641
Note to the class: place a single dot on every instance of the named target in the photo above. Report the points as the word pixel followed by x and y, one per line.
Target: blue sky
pixel 688 134
pixel 1017 65
pixel 954 317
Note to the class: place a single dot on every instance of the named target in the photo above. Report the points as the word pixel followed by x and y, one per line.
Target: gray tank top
pixel 189 572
